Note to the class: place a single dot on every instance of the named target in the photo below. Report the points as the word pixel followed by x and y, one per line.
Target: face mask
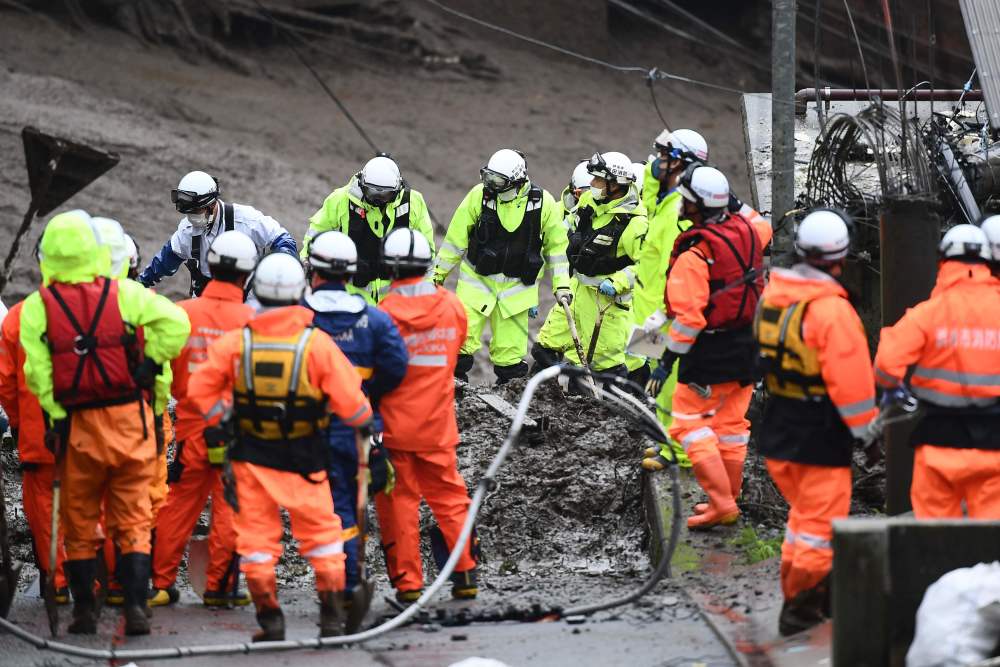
pixel 596 193
pixel 656 167
pixel 199 222
pixel 508 195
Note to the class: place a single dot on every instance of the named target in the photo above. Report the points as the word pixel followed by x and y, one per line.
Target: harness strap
pixel 87 337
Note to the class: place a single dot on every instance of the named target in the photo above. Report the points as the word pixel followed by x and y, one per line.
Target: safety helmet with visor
pixel 380 181
pixel 195 192
pixel 505 172
pixel 705 187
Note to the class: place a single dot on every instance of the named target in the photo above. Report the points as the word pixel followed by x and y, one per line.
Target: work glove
pixel 898 396
pixel 56 435
pixel 439 278
pixel 217 440
pixel 654 322
pixel 146 372
pixel 564 295
pixel 607 288
pixel 158 434
pixel 533 312
pixel 660 374
pixel 381 473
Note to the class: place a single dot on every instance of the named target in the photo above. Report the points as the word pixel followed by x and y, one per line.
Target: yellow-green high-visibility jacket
pixel 630 243
pixel 483 293
pixel 336 214
pixel 662 215
pixel 70 254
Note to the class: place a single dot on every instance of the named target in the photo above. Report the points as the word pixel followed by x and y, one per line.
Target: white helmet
pixel 706 187
pixel 505 170
pixel 279 280
pixel 132 250
pixel 233 250
pixel 405 249
pixel 991 227
pixel 111 235
pixel 197 190
pixel 581 177
pixel 686 145
pixel 333 253
pixel 823 236
pixel 380 181
pixel 639 171
pixel 611 166
pixel 966 242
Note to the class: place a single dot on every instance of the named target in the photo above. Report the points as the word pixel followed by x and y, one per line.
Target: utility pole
pixel 782 121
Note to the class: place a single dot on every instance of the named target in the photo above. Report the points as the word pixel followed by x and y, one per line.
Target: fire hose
pixel 629 404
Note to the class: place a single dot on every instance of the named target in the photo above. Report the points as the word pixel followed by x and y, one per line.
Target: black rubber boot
pixel 464 365
pixel 81 575
pixel 133 574
pixel 507 373
pixel 272 625
pixel 544 357
pixel 805 610
pixel 331 613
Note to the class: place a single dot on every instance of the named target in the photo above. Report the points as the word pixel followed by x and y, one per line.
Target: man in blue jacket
pixel 368 337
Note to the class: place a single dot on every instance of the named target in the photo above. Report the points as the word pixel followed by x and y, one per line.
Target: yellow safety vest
pixel 791 369
pixel 273 398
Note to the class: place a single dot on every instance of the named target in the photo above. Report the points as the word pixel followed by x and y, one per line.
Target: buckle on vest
pixel 84 345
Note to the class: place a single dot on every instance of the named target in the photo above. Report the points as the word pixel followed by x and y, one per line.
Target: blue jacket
pixel 368 338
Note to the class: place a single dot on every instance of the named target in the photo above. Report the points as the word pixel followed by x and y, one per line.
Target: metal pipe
pixel 783 71
pixel 806 95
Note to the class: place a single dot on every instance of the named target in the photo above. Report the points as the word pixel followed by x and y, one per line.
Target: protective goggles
pixel 380 195
pixel 671 153
pixel 596 166
pixel 187 201
pixel 495 181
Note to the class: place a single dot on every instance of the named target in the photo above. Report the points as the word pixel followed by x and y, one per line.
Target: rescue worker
pixel 374 202
pixel 421 433
pixel 579 183
pixel 197 196
pixel 675 152
pixel 195 474
pixel 817 371
pixel 27 426
pixel 952 343
pixel 134 258
pixel 714 281
pixel 503 233
pixel 283 378
pixel 607 231
pixel 371 342
pixel 93 348
pixel 991 227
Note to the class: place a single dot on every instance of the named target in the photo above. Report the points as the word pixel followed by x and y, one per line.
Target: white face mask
pixel 508 195
pixel 597 193
pixel 200 222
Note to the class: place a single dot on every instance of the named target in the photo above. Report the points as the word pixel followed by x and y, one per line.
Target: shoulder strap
pixel 228 217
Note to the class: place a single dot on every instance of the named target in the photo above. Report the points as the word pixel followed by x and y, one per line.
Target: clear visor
pixel 495 181
pixel 379 194
pixel 187 201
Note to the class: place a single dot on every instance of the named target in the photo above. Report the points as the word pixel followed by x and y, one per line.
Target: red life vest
pixel 735 259
pixel 93 350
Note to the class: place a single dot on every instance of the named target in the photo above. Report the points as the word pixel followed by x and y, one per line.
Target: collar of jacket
pixel 625 204
pixel 281 320
pixel 333 297
pixel 951 273
pixel 223 291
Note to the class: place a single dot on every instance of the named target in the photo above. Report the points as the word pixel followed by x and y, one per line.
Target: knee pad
pixel 464 365
pixel 505 373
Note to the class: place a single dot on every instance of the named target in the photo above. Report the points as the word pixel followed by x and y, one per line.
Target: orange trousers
pixel 109 462
pixel 176 521
pixel 816 496
pixel 433 476
pixel 261 492
pixel 945 476
pixel 723 434
pixel 36 496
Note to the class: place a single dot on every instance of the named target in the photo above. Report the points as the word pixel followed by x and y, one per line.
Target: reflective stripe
pixel 685 330
pixel 362 411
pixel 284 347
pixel 300 347
pixel 952 401
pixel 257 557
pixel 561 270
pixel 514 290
pixel 814 541
pixel 198 342
pixel 683 416
pixel 974 379
pixel 860 431
pixel 855 409
pixel 330 549
pixel 588 280
pixel 678 347
pixel 247 354
pixel 735 439
pixel 474 283
pixel 630 275
pixel 428 360
pixel 696 435
pixel 495 277
pixel 886 379
pixel 422 288
pixel 217 409
pixel 446 266
pixel 451 248
pixel 402 209
pixel 384 289
pixel 789 536
pixel 553 259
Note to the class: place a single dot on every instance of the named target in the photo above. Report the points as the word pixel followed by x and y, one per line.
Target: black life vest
pixel 368 243
pixel 594 252
pixel 518 254
pixel 199 279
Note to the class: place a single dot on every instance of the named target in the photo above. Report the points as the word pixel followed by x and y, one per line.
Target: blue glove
pixel 607 288
pixel 660 374
pixel 897 396
pixel 533 312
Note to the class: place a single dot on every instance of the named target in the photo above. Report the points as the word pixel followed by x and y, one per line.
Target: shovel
pixel 51 605
pixel 579 346
pixel 597 330
pixel 361 595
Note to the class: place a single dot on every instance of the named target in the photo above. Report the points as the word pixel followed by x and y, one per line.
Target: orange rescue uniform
pixel 952 343
pixel 262 490
pixel 37 462
pixel 822 396
pixel 218 310
pixel 421 432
